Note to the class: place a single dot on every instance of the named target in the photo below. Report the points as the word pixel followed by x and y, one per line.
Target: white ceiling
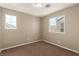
pixel 39 11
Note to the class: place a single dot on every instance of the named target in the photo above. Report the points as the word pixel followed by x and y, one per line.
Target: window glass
pixel 56 24
pixel 10 22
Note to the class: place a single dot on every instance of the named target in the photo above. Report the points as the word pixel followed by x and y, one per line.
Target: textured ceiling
pixel 37 11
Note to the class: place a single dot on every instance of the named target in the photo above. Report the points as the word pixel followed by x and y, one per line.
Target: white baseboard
pixel 18 45
pixel 61 46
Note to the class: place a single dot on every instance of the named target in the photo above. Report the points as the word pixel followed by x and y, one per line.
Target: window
pixel 10 22
pixel 56 24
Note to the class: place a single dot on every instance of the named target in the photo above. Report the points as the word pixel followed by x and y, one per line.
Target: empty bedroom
pixel 39 29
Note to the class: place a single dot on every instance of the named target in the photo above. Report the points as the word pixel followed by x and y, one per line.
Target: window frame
pixel 11 21
pixel 56 31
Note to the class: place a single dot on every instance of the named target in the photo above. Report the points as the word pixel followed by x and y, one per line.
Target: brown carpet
pixel 38 49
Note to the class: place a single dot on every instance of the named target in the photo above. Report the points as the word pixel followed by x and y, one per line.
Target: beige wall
pixel 28 29
pixel 0 27
pixel 70 38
